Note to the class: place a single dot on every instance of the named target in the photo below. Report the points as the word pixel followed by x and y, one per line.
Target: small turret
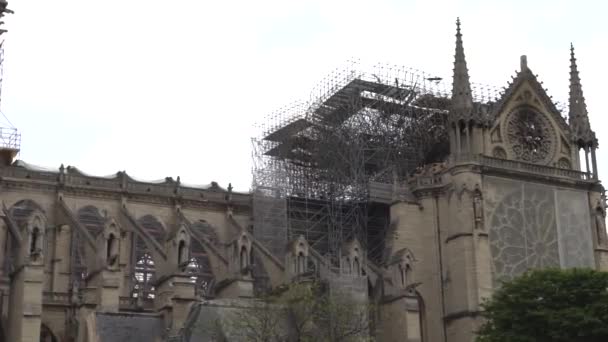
pixel 462 101
pixel 463 119
pixel 583 136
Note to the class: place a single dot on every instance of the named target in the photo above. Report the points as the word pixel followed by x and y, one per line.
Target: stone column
pixel 594 163
pixel 467 133
pixel 25 304
pixel 174 298
pixel 587 160
pixel 61 259
pixel 457 149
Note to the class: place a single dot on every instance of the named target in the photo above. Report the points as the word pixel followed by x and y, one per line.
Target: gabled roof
pixel 526 75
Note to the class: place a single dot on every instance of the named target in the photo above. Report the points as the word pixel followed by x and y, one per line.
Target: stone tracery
pixel 535 227
pixel 530 135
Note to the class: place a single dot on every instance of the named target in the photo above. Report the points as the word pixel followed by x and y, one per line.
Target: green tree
pixel 301 312
pixel 548 305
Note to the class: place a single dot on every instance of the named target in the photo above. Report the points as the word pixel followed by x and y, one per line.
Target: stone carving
pixel 499 152
pixel 530 135
pixel 564 163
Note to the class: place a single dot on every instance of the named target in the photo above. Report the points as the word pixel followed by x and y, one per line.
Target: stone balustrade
pixel 522 167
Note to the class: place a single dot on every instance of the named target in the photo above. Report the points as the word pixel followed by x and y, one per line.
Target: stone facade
pixel 96 259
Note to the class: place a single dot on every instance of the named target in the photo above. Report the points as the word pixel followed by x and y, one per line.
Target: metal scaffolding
pixel 320 156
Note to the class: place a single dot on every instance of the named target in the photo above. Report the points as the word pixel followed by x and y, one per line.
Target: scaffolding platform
pixel 337 158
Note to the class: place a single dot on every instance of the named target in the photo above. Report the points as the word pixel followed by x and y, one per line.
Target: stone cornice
pixel 525 172
pixel 74 183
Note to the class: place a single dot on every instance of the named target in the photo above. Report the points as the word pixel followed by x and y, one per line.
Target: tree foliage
pixel 549 305
pixel 300 313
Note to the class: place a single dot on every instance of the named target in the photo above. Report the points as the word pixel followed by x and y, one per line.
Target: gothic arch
pixel 203 234
pixel 144 272
pixel 402 265
pixel 143 264
pixel 205 230
pixel 22 210
pixel 298 256
pixel 153 227
pixel 30 219
pixel 200 268
pixel 90 218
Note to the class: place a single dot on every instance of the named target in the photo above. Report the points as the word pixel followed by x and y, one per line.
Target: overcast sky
pixel 168 88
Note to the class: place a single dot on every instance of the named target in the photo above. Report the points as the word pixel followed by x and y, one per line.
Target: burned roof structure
pixel 330 163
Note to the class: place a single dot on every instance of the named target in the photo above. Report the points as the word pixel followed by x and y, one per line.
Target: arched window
pixel 142 262
pixel 402 275
pixel 91 219
pixel 182 253
pixel 153 227
pixel 22 211
pixel 111 253
pixel 34 241
pixel 144 274
pixel 28 215
pixel 203 229
pixel 199 269
pixel 243 258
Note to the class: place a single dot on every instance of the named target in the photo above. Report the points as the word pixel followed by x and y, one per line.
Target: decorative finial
pixel 462 101
pixel 523 63
pixel 578 117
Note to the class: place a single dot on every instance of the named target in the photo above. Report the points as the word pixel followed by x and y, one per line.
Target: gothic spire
pixel 579 120
pixel 462 101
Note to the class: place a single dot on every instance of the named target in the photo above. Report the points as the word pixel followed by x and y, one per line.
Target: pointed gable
pixel 527 126
pixel 526 89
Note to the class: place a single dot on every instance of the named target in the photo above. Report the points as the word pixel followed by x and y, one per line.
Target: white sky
pixel 168 88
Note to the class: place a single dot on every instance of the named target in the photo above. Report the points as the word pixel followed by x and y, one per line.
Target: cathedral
pixel 504 186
